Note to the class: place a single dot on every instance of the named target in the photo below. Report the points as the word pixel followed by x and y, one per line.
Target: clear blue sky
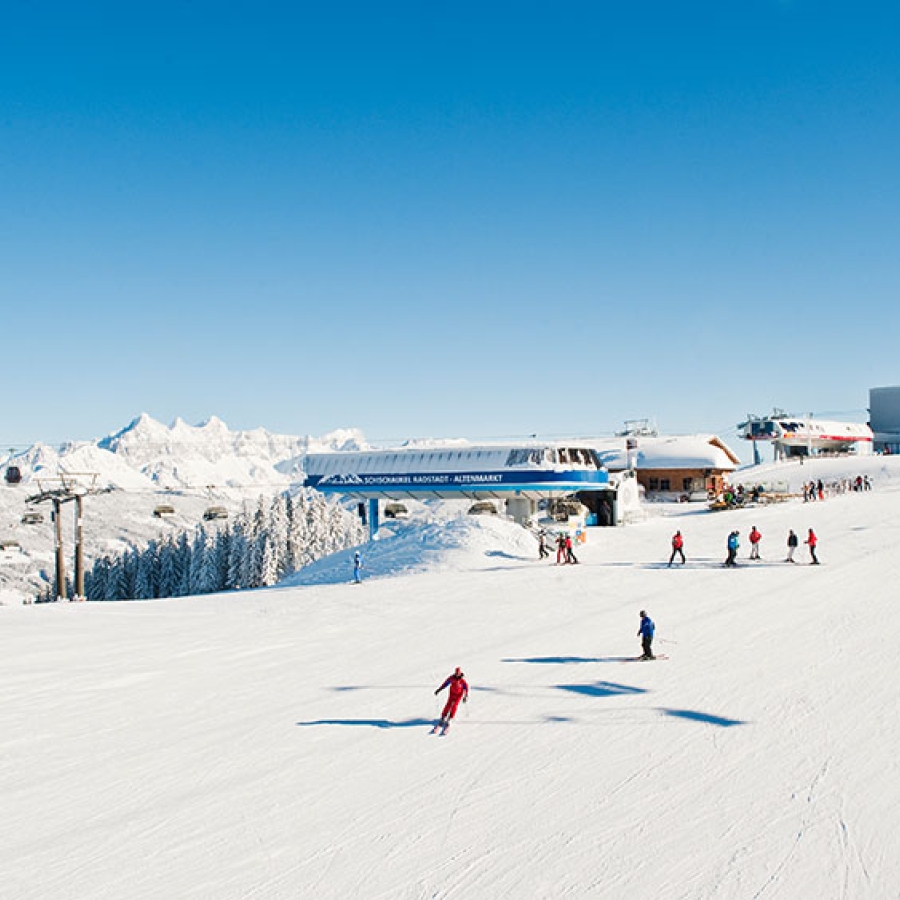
pixel 468 219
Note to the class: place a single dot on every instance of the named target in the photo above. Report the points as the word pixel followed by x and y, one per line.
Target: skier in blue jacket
pixel 733 544
pixel 645 632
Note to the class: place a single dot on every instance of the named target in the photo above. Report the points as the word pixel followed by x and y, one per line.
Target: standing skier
pixel 543 552
pixel 357 568
pixel 645 633
pixel 677 548
pixel 561 549
pixel 792 541
pixel 733 544
pixel 459 691
pixel 570 553
pixel 811 542
pixel 755 538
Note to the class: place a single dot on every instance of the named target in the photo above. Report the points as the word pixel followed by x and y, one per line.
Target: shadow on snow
pixel 565 660
pixel 694 716
pixel 371 723
pixel 600 689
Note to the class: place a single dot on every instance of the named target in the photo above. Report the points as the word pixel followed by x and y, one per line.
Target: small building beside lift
pixel 685 467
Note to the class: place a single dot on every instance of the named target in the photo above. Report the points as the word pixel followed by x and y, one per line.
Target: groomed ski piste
pixel 277 743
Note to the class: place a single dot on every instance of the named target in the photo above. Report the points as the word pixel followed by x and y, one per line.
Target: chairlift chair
pixel 215 512
pixel 483 508
pixel 13 474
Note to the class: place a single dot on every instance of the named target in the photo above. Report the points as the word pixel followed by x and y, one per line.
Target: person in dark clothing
pixel 570 554
pixel 792 542
pixel 677 548
pixel 645 633
pixel 543 552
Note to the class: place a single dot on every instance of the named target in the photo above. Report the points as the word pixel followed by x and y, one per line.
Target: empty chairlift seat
pixel 395 510
pixel 215 512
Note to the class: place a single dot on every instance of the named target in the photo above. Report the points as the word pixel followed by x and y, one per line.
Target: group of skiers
pixel 734 542
pixel 819 490
pixel 564 552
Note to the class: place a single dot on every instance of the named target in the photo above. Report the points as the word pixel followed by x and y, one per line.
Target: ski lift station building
pixel 520 475
pixel 884 419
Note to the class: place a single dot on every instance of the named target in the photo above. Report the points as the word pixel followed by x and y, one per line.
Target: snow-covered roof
pixel 698 451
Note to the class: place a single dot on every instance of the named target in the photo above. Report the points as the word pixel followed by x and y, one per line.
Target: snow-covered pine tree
pixel 220 558
pixel 298 532
pixel 167 580
pixel 181 559
pixel 95 579
pixel 204 570
pixel 317 527
pixel 278 531
pixel 268 560
pixel 116 581
pixel 145 583
pixel 237 552
pixel 130 564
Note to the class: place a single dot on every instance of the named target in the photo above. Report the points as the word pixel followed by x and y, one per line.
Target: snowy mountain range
pixel 145 464
pixel 148 455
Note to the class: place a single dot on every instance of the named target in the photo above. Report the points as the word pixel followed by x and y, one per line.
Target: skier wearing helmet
pixel 645 633
pixel 459 691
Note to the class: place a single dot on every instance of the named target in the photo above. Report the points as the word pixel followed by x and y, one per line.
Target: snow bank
pixel 460 544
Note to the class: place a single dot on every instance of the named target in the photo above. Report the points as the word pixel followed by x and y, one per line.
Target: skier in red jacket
pixel 459 690
pixel 677 548
pixel 755 538
pixel 811 542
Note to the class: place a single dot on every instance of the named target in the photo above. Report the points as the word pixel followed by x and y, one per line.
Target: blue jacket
pixel 647 627
pixel 733 542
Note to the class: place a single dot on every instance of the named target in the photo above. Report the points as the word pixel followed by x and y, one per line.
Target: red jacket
pixel 458 687
pixel 678 541
pixel 812 539
pixel 755 536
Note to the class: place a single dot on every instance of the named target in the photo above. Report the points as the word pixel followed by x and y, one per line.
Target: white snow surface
pixel 276 743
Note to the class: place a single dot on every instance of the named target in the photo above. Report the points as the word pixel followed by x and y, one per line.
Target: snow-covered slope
pixel 462 543
pixel 276 744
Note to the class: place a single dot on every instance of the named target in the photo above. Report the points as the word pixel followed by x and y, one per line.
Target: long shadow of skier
pixel 694 716
pixel 370 723
pixel 565 660
pixel 601 689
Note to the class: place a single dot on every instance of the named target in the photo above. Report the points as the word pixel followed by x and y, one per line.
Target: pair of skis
pixel 440 727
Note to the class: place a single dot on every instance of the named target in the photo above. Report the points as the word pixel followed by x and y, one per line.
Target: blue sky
pixel 471 219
